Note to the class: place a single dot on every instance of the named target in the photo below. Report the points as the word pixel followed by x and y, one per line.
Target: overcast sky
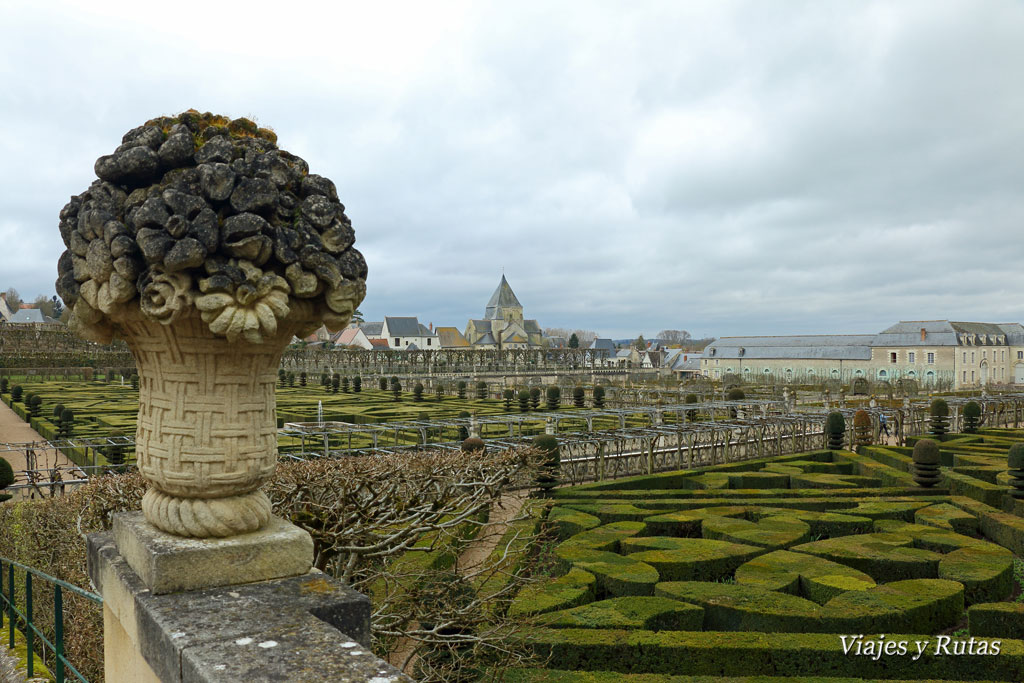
pixel 720 167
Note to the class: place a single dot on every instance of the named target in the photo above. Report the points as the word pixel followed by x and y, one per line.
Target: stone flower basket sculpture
pixel 206 248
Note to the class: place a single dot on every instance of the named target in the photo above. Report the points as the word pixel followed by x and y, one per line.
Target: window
pixel 892 356
pixel 972 375
pixel 972 356
pixel 965 356
pixel 398 341
pixel 428 341
pixel 965 375
pixel 910 356
pixel 984 354
pixel 1020 355
pixel 931 357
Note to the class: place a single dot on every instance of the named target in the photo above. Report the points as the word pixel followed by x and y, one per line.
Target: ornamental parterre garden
pixel 825 566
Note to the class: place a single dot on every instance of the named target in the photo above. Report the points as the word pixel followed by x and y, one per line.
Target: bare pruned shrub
pixel 364 514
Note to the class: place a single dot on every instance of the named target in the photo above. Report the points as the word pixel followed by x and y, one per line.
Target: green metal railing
pixel 15 617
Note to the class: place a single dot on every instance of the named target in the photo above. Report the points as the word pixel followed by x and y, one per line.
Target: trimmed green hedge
pixel 1005 529
pixel 807 576
pixel 568 522
pixel 744 653
pixel 884 556
pixel 575 588
pixel 981 491
pixel 642 612
pixel 686 559
pixel 605 537
pixel 770 532
pixel 616 574
pixel 556 676
pixel 1000 619
pixel 946 516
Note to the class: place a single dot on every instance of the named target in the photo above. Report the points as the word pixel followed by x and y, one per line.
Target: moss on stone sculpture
pixel 198 213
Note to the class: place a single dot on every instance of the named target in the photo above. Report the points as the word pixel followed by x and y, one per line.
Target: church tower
pixel 504 305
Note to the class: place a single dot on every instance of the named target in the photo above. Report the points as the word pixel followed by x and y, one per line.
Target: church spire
pixel 503 297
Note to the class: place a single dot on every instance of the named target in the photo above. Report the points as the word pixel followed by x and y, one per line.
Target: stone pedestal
pixel 170 564
pixel 161 624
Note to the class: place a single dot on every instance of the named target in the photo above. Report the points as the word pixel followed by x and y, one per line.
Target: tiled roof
pixel 372 329
pixel 28 315
pixel 825 346
pixel 487 339
pixel 451 338
pixel 402 327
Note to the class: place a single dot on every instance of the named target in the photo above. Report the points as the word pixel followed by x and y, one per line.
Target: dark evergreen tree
pixel 534 398
pixel 344 385
pixel 481 390
pixel 382 384
pixel 302 378
pixel 599 397
pixel 462 389
pixel 357 384
pixel 574 341
pixel 508 396
pixel 396 388
pixel 335 383
pixel 417 391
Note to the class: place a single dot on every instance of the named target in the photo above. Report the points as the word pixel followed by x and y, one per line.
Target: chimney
pixel 923 333
pixel 431 327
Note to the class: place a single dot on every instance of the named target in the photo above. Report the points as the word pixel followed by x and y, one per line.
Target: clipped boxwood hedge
pixel 946 516
pixel 605 537
pixel 577 587
pixel 568 522
pixel 1000 619
pixel 689 559
pixel 615 574
pixel 771 532
pixel 734 653
pixel 643 612
pixel 883 556
pixel 815 578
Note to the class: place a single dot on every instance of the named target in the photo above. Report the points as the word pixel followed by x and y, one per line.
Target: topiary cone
pixel 862 428
pixel 972 414
pixel 835 427
pixel 926 463
pixel 547 477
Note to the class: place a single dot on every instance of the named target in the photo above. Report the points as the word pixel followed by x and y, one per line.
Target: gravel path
pixel 15 430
